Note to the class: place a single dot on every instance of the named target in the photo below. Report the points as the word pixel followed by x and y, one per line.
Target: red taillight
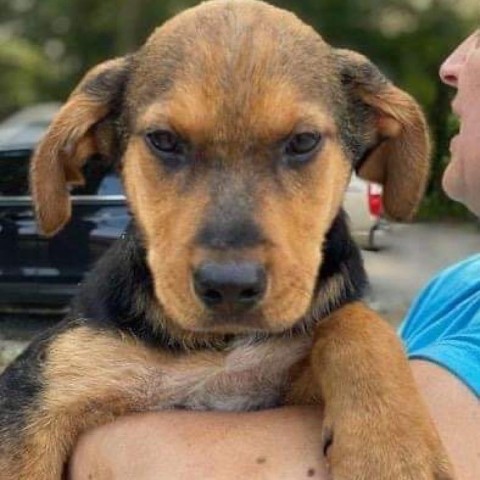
pixel 375 204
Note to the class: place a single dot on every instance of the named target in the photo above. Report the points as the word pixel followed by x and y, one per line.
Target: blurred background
pixel 46 45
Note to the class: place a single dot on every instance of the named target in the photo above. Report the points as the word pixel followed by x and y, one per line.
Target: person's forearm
pixel 274 444
pixel 456 412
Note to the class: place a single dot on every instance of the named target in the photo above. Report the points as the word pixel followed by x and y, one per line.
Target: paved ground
pixel 414 254
pixel 16 331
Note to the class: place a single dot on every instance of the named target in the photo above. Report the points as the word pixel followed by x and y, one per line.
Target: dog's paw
pixel 367 451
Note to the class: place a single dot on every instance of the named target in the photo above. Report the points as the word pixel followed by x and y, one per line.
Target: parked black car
pixel 36 270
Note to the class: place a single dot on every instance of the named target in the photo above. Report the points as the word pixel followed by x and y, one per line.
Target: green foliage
pixel 46 45
pixel 437 206
pixel 408 40
pixel 24 70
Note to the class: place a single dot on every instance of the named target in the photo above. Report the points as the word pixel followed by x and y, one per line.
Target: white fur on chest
pixel 250 376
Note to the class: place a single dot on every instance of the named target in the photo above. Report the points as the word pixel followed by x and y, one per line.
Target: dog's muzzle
pixel 230 287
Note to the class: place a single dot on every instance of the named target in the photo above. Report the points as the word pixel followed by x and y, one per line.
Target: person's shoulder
pixel 458 280
pixel 449 302
pixel 466 271
pixel 443 324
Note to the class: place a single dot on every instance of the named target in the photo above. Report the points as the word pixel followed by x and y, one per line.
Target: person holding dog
pixel 442 338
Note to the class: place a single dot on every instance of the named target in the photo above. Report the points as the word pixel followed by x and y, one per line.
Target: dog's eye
pixel 303 143
pixel 164 141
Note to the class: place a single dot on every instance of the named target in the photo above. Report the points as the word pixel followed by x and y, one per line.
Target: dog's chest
pixel 250 376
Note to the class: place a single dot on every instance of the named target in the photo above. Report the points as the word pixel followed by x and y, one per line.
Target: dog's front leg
pixel 376 425
pixel 64 385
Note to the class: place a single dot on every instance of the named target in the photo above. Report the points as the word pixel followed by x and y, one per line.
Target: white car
pixel 363 204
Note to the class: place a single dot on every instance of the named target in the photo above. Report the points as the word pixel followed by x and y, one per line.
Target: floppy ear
pixel 71 139
pixel 399 155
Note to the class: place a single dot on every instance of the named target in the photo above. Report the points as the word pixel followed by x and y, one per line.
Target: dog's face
pixel 238 129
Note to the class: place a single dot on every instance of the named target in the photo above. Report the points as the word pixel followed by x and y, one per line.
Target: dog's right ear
pixel 71 140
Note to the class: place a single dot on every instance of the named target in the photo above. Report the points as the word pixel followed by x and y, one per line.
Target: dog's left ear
pixel 80 130
pixel 399 156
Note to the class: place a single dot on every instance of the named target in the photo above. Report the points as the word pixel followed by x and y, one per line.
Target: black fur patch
pixel 342 263
pixel 19 384
pixel 118 294
pixel 108 84
pixel 224 232
pixel 22 383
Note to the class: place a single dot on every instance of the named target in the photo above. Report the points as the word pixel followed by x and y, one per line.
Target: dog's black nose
pixel 231 286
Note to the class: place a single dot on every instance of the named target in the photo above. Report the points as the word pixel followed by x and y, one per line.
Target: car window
pixel 97 171
pixel 100 176
pixel 18 136
pixel 111 185
pixel 14 172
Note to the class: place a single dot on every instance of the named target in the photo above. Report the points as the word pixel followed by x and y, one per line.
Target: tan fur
pixel 235 101
pixel 68 143
pixel 401 160
pixel 294 256
pixel 235 119
pixel 351 347
pixel 92 377
pixel 284 219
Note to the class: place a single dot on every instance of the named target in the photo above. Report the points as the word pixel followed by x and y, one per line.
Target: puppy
pixel 238 287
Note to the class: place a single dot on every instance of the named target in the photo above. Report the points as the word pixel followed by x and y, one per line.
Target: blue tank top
pixel 443 324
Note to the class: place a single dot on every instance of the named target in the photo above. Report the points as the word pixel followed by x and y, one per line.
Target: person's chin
pixel 455 185
pixel 471 197
pixel 453 181
pixel 474 206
